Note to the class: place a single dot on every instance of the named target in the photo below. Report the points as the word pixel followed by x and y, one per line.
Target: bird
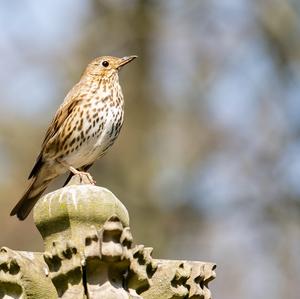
pixel 84 127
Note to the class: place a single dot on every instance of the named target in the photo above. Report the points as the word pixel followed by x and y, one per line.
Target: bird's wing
pixel 65 109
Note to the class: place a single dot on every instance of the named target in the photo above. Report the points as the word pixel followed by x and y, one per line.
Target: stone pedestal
pixel 89 253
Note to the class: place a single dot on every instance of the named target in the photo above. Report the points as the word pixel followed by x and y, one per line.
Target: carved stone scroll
pixel 22 275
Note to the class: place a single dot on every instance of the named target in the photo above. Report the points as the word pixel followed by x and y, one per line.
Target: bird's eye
pixel 105 63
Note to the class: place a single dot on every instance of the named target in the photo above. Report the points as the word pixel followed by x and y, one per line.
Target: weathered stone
pixel 70 212
pixel 89 253
pixel 22 275
pixel 181 279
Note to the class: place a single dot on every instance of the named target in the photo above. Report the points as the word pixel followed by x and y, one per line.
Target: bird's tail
pixel 28 200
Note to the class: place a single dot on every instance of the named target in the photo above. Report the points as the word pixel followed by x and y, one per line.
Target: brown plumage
pixel 83 128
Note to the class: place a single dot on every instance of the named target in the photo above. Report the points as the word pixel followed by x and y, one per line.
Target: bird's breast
pixel 95 126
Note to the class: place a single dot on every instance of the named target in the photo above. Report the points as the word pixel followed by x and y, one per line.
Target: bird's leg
pixel 81 174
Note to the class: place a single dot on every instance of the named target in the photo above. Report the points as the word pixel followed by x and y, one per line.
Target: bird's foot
pixel 82 175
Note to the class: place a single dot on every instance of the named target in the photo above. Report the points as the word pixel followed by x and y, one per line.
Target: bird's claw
pixel 89 178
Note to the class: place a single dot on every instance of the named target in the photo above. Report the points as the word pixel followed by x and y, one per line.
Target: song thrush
pixel 85 125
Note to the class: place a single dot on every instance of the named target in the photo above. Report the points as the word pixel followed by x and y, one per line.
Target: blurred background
pixel 208 161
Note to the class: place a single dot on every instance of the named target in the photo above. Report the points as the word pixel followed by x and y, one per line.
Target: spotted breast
pixel 101 118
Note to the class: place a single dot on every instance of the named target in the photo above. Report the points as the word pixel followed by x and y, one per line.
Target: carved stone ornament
pixel 89 253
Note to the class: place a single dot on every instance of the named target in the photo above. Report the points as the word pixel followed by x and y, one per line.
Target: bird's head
pixel 106 66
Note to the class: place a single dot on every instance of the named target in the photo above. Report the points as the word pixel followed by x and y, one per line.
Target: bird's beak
pixel 124 60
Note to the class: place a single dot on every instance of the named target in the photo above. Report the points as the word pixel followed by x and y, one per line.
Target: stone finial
pixel 89 253
pixel 70 212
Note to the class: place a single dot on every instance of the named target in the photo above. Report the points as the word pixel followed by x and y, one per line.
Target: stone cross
pixel 89 253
